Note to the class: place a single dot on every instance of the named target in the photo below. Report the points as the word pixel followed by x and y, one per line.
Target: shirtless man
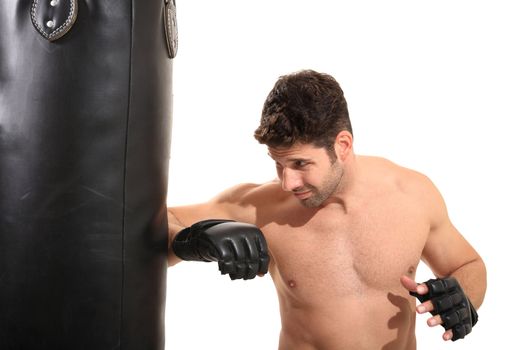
pixel 345 232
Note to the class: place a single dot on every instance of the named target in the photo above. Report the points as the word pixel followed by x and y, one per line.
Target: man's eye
pixel 300 163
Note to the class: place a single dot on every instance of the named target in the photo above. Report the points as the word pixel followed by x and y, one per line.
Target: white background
pixel 437 86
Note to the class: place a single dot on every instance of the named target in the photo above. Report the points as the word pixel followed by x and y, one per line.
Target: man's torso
pixel 337 269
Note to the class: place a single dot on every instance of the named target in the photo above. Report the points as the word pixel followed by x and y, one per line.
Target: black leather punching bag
pixel 85 123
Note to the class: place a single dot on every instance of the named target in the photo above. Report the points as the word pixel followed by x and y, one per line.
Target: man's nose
pixel 291 180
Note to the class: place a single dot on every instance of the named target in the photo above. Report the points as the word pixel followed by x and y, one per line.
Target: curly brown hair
pixel 303 107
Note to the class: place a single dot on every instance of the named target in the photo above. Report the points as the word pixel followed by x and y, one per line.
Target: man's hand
pixel 448 304
pixel 239 248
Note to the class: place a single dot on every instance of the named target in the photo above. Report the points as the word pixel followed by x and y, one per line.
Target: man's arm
pixel 228 205
pixel 448 253
pixel 221 230
pixel 174 227
pixel 184 216
pixel 452 259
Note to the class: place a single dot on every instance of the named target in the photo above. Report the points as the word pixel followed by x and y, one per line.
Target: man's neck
pixel 348 186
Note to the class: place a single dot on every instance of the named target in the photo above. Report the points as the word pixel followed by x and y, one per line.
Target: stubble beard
pixel 327 188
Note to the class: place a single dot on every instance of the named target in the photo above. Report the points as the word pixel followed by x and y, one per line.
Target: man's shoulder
pixel 251 194
pixel 248 201
pixel 404 178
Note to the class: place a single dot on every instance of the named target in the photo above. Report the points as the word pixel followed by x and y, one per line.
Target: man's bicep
pixel 446 250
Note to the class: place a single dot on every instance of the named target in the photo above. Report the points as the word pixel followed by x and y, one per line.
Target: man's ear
pixel 343 144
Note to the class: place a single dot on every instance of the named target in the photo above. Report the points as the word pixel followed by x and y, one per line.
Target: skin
pixel 345 239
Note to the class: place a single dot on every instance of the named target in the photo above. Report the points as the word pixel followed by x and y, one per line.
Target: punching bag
pixel 85 124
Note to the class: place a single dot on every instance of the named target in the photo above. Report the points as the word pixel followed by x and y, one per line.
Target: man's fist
pixel 239 248
pixel 451 304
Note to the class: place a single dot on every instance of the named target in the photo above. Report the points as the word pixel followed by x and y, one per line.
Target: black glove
pixel 452 304
pixel 239 248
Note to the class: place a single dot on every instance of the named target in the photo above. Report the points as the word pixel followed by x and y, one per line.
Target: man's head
pixel 308 172
pixel 306 126
pixel 304 107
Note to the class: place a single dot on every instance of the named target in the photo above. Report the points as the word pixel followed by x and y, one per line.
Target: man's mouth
pixel 302 195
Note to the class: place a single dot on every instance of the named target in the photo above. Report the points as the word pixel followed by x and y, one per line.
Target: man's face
pixel 308 172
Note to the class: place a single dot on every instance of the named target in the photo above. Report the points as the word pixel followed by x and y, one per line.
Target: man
pixel 346 232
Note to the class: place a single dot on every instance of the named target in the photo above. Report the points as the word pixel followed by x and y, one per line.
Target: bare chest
pixel 336 254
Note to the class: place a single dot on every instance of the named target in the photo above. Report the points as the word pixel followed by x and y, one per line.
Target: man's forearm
pixel 174 227
pixel 473 280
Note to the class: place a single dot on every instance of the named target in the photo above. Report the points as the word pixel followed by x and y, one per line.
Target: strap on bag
pixel 170 27
pixel 53 18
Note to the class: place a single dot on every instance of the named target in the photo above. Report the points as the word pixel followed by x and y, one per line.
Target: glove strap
pixel 181 245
